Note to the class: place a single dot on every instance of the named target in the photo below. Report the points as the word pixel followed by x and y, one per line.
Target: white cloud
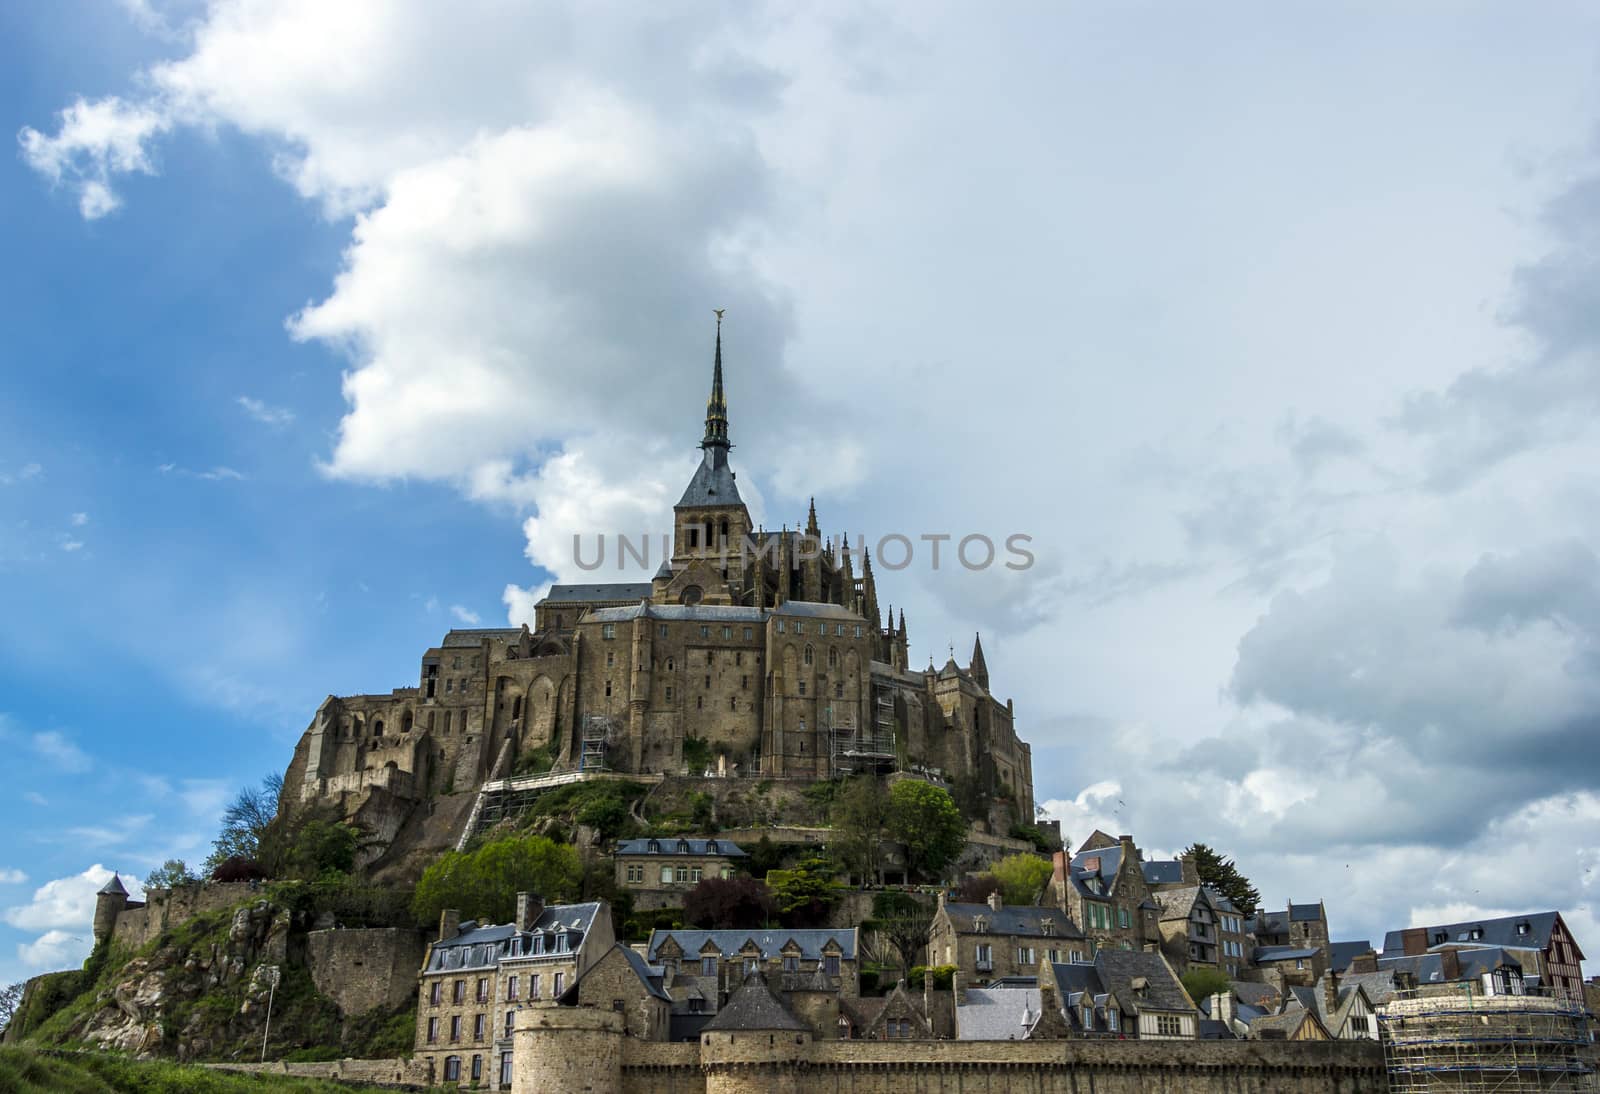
pixel 69 544
pixel 65 903
pixel 215 474
pixel 267 415
pixel 104 836
pixel 12 877
pixel 24 473
pixel 93 142
pixel 470 618
pixel 58 750
pixel 80 519
pixel 54 950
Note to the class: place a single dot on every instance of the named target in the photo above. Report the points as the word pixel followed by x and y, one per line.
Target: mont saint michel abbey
pixel 766 650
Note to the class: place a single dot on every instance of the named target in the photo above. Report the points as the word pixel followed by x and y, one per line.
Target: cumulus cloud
pixel 94 141
pixel 12 877
pixel 470 618
pixel 22 474
pixel 65 903
pixel 54 950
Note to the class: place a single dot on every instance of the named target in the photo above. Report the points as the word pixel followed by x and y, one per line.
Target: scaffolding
pixel 598 732
pixel 868 750
pixel 1455 1037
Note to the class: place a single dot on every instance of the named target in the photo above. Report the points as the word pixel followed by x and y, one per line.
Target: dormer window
pixel 1524 928
pixel 980 925
pixel 1048 926
pixel 1476 934
pixel 1440 937
pixel 711 847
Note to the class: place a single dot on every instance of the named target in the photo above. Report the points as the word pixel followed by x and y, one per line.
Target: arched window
pixel 452 1069
pixel 809 655
pixel 833 658
pixel 377 728
pixel 724 531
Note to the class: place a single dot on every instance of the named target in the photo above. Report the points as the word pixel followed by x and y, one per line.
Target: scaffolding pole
pixel 1457 1037
pixel 869 749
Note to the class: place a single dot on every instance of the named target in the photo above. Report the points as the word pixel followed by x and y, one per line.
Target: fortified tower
pixel 109 902
pixel 567 1050
pixel 754 1043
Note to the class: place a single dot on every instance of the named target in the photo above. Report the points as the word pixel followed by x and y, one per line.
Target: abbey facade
pixel 750 653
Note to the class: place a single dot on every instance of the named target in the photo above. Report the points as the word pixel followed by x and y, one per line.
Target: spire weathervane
pixel 716 436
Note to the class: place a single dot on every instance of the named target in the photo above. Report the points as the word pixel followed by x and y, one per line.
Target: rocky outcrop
pixel 193 994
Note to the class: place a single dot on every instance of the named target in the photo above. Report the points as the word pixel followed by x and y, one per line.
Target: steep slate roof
pixel 1163 872
pixel 754 1006
pixel 1428 968
pixel 650 978
pixel 1264 996
pixel 485 947
pixel 1102 865
pixel 998 1014
pixel 771 943
pixel 1163 991
pixel 1379 985
pixel 1288 1022
pixel 1282 953
pixel 704 613
pixel 1178 903
pixel 670 845
pixel 586 594
pixel 477 635
pixel 712 484
pixel 1012 919
pixel 1305 913
pixel 1342 953
pixel 813 609
pixel 114 887
pixel 1496 932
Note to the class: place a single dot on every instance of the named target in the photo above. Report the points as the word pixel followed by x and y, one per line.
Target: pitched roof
pixel 486 946
pixel 1252 994
pixel 1014 919
pixel 712 484
pixel 1288 1023
pixel 769 942
pixel 475 636
pixel 998 1014
pixel 114 887
pixel 754 1006
pixel 1304 913
pixel 1094 872
pixel 631 591
pixel 1282 953
pixel 1428 968
pixel 1379 986
pixel 705 613
pixel 673 845
pixel 1163 872
pixel 1162 990
pixel 650 978
pixel 1528 932
pixel 1342 953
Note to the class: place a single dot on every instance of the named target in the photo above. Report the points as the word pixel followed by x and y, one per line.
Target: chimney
pixel 449 924
pixel 1188 871
pixel 1414 941
pixel 1058 863
pixel 530 906
pixel 942 895
pixel 1222 1009
pixel 1364 962
pixel 995 902
pixel 1330 992
pixel 1450 962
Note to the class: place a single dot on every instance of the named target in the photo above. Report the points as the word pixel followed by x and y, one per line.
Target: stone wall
pixel 165 908
pixel 568 1050
pixel 399 1072
pixel 363 969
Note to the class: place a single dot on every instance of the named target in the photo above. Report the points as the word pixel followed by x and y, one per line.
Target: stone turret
pixel 567 1050
pixel 754 1043
pixel 980 668
pixel 109 902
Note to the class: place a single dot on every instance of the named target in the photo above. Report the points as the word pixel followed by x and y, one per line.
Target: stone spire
pixel 716 439
pixel 811 522
pixel 979 670
pixel 869 592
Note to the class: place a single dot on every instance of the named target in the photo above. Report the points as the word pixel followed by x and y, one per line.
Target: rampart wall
pixel 165 908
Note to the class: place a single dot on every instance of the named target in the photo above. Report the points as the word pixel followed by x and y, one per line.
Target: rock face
pixel 192 996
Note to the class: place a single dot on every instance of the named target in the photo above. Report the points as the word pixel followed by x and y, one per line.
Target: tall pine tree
pixel 1223 876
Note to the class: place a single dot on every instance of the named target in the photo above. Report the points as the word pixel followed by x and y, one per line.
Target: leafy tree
pixel 238 868
pixel 765 857
pixel 246 821
pixel 904 921
pixel 1022 878
pixel 805 893
pixel 318 846
pixel 170 874
pixel 859 815
pixel 10 999
pixel 729 904
pixel 1222 875
pixel 1202 983
pixel 485 882
pixel 926 820
pixel 975 888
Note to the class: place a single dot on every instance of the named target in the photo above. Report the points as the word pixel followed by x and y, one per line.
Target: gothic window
pixel 809 655
pixel 692 595
pixel 833 658
pixel 694 537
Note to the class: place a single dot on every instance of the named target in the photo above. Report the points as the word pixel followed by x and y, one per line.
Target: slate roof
pixel 479 947
pixel 1179 903
pixel 1286 1023
pixel 588 594
pixel 650 978
pixel 670 845
pixel 1264 996
pixel 1495 932
pixel 1379 985
pixel 1305 913
pixel 1282 953
pixel 1013 920
pixel 114 887
pixel 813 609
pixel 1342 953
pixel 998 1014
pixel 770 942
pixel 712 484
pixel 1163 991
pixel 754 1006
pixel 477 635
pixel 1163 872
pixel 1428 968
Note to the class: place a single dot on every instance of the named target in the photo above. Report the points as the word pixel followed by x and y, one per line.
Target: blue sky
pixel 1273 329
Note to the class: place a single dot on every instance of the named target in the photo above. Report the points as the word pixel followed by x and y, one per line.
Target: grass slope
pixel 25 1071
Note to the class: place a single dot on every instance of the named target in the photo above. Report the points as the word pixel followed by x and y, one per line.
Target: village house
pixel 621 981
pixel 986 942
pixel 1298 926
pixel 1102 889
pixel 658 871
pixel 1201 928
pixel 1544 947
pixel 1122 993
pixel 475 977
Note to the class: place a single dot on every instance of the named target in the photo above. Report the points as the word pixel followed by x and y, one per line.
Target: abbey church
pixel 764 652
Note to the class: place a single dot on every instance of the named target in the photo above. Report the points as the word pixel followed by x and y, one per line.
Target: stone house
pixel 1287 965
pixel 1122 994
pixel 1346 1011
pixel 987 942
pixel 898 1016
pixel 476 976
pixel 702 969
pixel 658 871
pixel 1102 889
pixel 1298 926
pixel 1541 942
pixel 1298 1024
pixel 1201 928
pixel 621 981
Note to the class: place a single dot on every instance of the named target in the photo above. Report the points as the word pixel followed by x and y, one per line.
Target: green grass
pixel 26 1071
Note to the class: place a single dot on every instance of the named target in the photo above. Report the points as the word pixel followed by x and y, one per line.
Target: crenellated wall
pixel 165 908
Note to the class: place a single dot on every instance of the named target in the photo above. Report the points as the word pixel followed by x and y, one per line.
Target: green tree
pixel 926 820
pixel 859 815
pixel 1022 878
pixel 318 846
pixel 904 921
pixel 1202 983
pixel 485 882
pixel 246 821
pixel 805 893
pixel 1222 875
pixel 170 874
pixel 10 999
